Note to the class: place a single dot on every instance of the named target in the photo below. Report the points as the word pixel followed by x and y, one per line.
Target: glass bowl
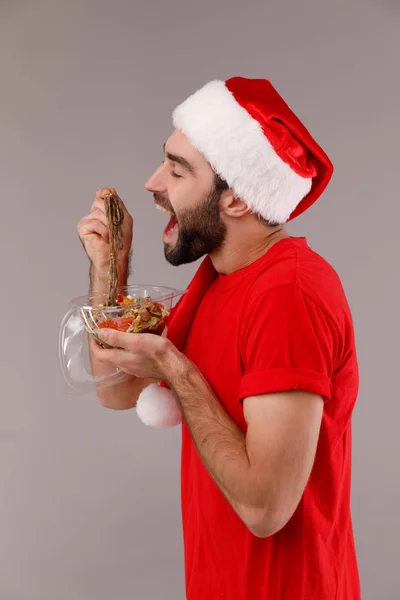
pixel 139 309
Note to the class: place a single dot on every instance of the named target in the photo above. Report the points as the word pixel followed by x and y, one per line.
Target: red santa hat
pixel 254 141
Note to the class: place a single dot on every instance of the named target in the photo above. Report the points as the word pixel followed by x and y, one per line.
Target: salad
pixel 132 315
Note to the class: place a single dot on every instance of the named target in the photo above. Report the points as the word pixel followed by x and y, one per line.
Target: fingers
pixel 122 359
pixel 99 203
pixel 88 226
pixel 141 355
pixel 101 194
pixel 118 339
pixel 98 212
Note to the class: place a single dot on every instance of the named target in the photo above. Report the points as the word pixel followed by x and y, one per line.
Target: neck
pixel 239 251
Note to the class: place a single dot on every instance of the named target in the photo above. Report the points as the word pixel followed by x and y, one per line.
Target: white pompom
pixel 157 407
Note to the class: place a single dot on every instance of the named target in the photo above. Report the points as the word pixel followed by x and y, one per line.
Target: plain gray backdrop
pixel 90 498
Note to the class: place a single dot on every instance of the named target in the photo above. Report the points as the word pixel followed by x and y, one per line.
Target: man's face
pixel 185 185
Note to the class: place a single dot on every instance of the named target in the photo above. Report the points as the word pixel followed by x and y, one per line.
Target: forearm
pixel 219 441
pixel 124 393
pixel 99 277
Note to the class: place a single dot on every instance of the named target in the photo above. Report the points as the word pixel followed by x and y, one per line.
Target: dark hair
pixel 221 185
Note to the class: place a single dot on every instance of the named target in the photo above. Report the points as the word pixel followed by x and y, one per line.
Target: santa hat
pixel 253 141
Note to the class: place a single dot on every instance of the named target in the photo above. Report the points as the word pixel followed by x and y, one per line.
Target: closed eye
pixel 173 172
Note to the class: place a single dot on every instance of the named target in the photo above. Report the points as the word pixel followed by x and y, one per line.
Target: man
pixel 259 357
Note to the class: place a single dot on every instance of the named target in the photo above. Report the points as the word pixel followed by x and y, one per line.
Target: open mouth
pixel 159 207
pixel 172 226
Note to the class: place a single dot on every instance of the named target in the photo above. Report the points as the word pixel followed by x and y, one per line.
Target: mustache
pixel 163 202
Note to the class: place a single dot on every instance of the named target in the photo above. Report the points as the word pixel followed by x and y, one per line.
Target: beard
pixel 201 229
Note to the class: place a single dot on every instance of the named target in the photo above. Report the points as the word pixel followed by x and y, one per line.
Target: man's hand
pixel 143 355
pixel 94 234
pixel 93 231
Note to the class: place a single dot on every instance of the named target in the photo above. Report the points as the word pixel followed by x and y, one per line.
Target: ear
pixel 232 206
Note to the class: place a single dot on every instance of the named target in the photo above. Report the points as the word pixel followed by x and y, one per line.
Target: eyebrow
pixel 180 160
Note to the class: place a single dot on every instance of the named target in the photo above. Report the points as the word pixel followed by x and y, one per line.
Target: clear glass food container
pixel 140 309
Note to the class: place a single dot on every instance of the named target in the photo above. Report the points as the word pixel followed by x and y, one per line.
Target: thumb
pixel 115 338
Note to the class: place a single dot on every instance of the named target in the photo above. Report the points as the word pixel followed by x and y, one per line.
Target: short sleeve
pixel 286 343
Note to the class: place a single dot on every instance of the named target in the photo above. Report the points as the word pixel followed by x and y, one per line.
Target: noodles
pixel 124 313
pixel 115 217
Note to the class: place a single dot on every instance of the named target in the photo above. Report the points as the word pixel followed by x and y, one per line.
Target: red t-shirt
pixel 281 323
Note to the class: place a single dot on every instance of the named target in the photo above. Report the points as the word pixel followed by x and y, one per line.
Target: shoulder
pixel 298 269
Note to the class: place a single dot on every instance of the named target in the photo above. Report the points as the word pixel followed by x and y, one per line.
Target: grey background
pixel 89 498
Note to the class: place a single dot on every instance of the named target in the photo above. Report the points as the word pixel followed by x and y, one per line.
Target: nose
pixel 156 183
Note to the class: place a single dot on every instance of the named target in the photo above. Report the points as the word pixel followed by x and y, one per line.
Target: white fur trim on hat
pixel 238 150
pixel 157 407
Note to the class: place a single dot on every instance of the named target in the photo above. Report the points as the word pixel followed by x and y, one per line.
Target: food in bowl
pixel 130 315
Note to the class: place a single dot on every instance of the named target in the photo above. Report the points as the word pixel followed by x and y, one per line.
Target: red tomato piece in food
pixel 119 323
